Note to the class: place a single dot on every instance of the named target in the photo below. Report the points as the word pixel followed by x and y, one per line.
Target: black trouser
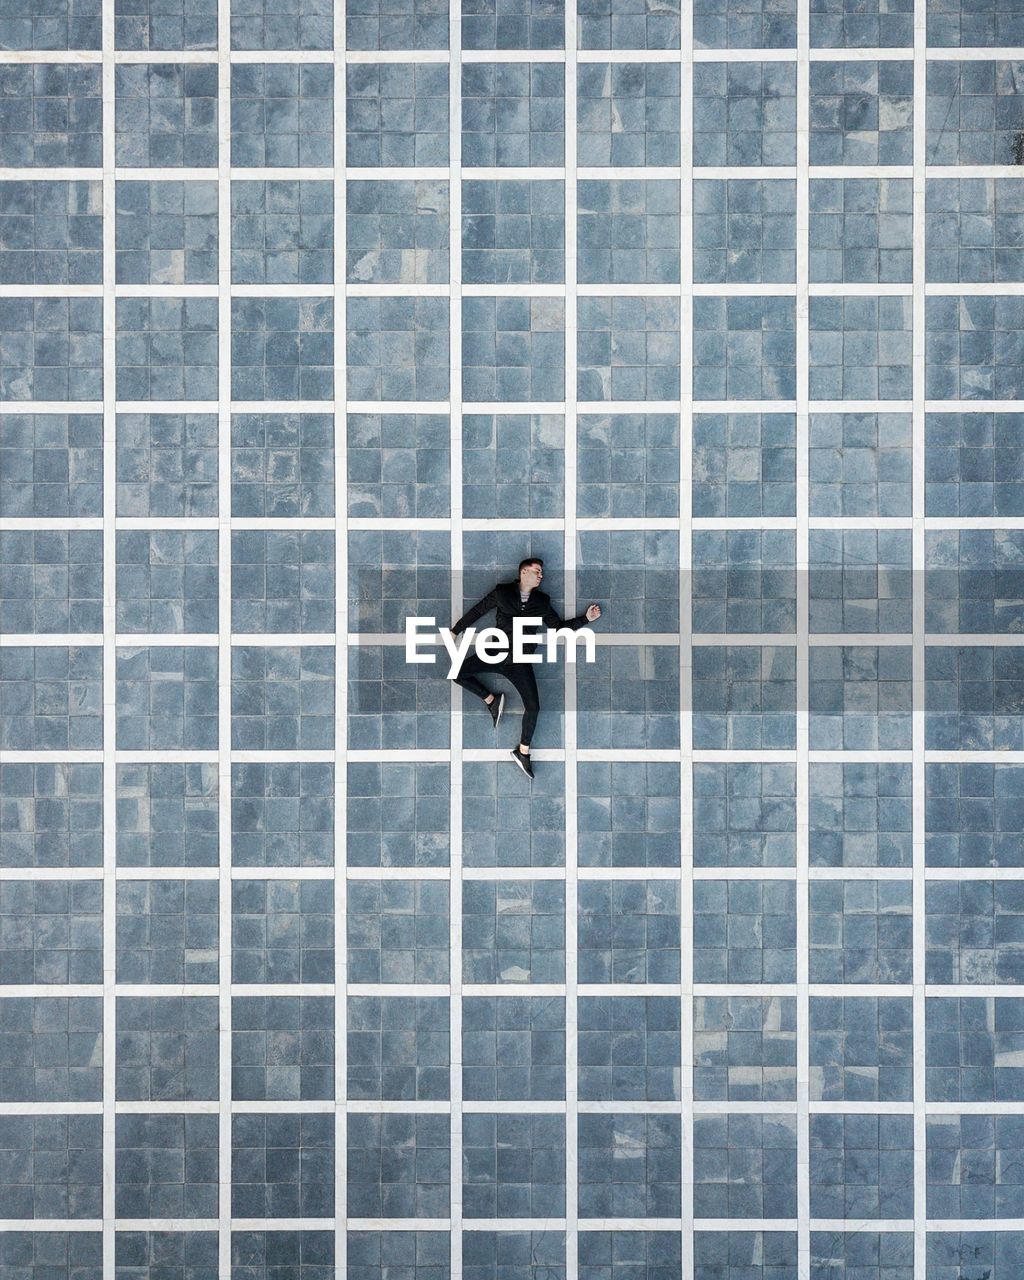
pixel 518 674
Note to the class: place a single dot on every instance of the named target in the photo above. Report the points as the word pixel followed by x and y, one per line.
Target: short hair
pixel 530 560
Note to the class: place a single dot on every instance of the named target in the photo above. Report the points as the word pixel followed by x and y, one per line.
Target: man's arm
pixel 551 618
pixel 478 610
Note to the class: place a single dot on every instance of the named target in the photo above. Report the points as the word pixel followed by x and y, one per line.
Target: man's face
pixel 530 576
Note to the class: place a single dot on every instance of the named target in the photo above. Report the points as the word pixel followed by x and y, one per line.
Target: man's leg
pixel 467 677
pixel 522 678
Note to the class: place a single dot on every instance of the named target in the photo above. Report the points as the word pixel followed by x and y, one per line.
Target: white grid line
pixel 109 766
pixel 224 637
pixel 455 857
pixel 919 340
pixel 571 609
pixel 802 895
pixel 341 655
pixel 686 810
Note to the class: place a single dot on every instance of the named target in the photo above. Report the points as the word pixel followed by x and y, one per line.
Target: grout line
pixel 571 607
pixel 963 875
pixel 21 408
pixel 497 524
pixel 818 288
pixel 839 53
pixel 455 409
pixel 685 439
pixel 109 1121
pixel 224 636
pixel 341 627
pixel 918 785
pixel 802 556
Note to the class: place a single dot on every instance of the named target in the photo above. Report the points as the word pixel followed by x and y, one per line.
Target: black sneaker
pixel 496 707
pixel 523 762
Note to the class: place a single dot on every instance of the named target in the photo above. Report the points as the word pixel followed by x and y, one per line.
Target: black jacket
pixel 504 599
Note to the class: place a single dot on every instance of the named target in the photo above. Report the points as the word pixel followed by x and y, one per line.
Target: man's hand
pixel 593 612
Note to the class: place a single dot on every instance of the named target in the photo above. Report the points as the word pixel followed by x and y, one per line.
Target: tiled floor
pixel 316 317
